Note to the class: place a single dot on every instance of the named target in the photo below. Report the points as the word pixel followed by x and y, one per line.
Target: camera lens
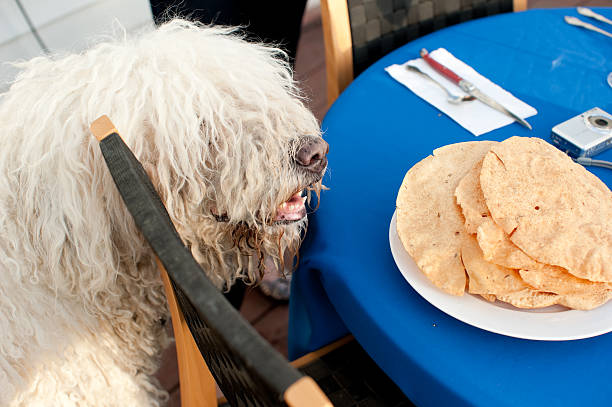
pixel 600 122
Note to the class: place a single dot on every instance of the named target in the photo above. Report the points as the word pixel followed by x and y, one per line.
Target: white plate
pixel 554 323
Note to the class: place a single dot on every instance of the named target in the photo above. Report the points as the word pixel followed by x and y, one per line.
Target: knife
pixel 470 88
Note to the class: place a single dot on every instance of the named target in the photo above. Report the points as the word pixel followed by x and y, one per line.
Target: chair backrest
pixel 359 32
pixel 246 368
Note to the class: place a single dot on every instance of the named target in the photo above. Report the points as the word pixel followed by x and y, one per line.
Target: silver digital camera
pixel 585 135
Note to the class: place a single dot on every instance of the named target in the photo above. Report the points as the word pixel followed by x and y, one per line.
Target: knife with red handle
pixel 469 87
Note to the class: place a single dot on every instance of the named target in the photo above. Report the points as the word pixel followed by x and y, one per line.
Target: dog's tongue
pixel 293 209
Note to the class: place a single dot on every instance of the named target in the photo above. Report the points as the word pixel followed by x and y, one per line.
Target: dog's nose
pixel 312 154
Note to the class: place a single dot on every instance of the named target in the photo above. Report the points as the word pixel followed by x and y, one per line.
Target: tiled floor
pixel 269 318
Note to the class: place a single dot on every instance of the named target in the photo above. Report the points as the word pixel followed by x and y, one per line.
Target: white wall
pixel 312 3
pixel 63 25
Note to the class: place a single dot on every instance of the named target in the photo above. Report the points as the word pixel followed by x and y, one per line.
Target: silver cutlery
pixel 579 23
pixel 590 13
pixel 469 88
pixel 451 97
pixel 585 11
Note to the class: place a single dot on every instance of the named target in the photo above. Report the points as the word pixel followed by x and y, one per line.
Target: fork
pixel 451 97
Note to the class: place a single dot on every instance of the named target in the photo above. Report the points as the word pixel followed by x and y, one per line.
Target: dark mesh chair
pixel 359 32
pixel 211 334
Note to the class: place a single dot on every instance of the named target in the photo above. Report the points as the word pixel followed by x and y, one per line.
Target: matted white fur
pixel 216 122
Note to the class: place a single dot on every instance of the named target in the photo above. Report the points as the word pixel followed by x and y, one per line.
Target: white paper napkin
pixel 474 116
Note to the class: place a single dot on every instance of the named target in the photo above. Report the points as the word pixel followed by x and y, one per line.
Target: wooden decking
pixel 271 318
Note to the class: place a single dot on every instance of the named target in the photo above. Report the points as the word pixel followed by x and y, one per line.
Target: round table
pixel 348 281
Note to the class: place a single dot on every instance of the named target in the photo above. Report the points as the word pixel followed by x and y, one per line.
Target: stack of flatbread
pixel 516 221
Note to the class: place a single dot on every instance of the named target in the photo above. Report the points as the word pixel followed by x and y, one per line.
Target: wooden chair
pixel 214 343
pixel 359 32
pixel 209 332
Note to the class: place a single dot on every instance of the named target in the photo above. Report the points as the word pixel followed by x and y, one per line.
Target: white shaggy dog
pixel 220 127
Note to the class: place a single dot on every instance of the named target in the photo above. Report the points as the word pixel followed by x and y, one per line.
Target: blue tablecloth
pixel 378 129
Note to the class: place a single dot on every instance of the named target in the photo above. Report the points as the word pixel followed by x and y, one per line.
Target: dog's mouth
pixel 293 209
pixel 289 211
